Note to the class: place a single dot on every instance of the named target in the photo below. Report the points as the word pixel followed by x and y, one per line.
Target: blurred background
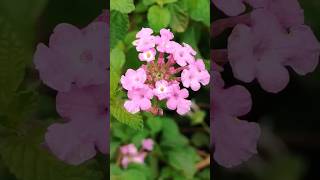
pixel 289 146
pixel 27 107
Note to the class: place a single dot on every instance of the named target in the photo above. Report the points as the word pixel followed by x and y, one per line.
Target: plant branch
pixel 203 164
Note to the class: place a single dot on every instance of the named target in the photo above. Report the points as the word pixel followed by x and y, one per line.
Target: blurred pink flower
pixel 288 12
pixel 262 50
pixel 129 149
pixel 304 56
pixel 147 144
pixel 234 140
pixel 74 56
pixel 177 100
pixel 85 129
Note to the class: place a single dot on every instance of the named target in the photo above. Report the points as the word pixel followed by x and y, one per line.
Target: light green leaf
pixel 148 2
pixel 154 124
pixel 179 17
pixel 158 17
pixel 119 25
pixel 181 160
pixel 163 2
pixel 201 11
pixel 123 6
pixel 119 113
pixel 169 130
pixel 117 60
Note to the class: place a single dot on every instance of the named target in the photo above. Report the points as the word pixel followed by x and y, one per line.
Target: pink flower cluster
pixel 75 64
pixel 168 65
pixel 264 42
pixel 130 154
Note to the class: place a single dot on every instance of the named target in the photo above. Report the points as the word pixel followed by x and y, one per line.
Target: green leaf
pixel 158 17
pixel 13 61
pixel 181 160
pixel 28 160
pixel 133 174
pixel 123 6
pixel 200 11
pixel 117 60
pixel 148 2
pixel 154 124
pixel 114 83
pixel 200 139
pixel 119 25
pixel 170 130
pixel 22 105
pixel 191 37
pixel 163 2
pixel 179 17
pixel 119 113
pixel 197 117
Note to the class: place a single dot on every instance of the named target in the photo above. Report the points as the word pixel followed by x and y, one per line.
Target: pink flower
pixel 234 140
pixel 139 99
pixel 304 58
pixel 183 55
pixel 288 12
pixel 85 131
pixel 130 154
pixel 262 51
pixel 160 72
pixel 147 144
pixel 162 89
pixel 129 149
pixel 177 100
pixel 148 55
pixel 144 32
pixel 194 75
pixel 259 52
pixel 145 40
pixel 138 158
pixel 166 34
pixel 133 79
pixel 74 56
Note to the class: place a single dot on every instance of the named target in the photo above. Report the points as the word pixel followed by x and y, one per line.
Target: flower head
pixel 165 60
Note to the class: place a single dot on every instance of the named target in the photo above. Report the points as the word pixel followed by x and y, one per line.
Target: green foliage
pixel 158 17
pixel 28 160
pixel 119 113
pixel 123 6
pixel 13 61
pixel 119 24
pixel 179 17
pixel 200 11
pixel 173 150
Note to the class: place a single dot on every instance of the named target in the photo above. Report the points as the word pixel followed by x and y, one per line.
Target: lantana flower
pixel 130 154
pixel 234 140
pixel 160 78
pixel 74 56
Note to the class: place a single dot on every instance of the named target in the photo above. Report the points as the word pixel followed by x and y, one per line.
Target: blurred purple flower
pixel 74 56
pixel 234 140
pixel 263 49
pixel 76 65
pixel 85 130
